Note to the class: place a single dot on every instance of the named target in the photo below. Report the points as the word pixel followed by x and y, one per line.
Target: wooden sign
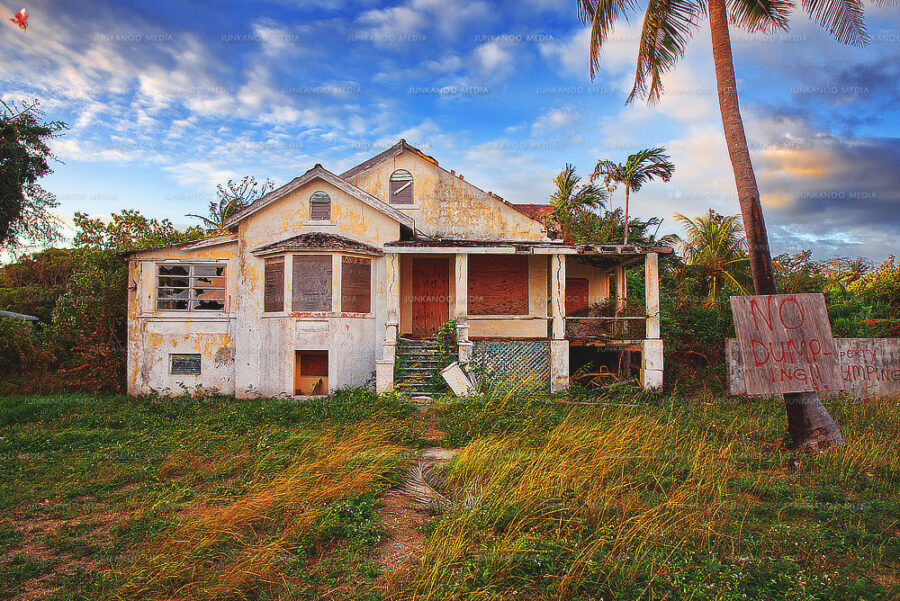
pixel 785 343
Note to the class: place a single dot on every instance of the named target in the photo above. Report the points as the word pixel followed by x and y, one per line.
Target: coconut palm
pixel 667 28
pixel 713 244
pixel 638 169
pixel 572 202
pixel 232 197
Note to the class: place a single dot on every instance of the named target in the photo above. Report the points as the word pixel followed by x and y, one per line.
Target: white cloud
pixel 494 61
pixel 555 120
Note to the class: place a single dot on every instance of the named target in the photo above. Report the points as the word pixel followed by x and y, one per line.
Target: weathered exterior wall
pixel 447 206
pixel 869 367
pixel 598 279
pixel 154 335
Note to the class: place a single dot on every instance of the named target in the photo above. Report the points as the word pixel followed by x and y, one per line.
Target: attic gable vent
pixel 320 206
pixel 401 187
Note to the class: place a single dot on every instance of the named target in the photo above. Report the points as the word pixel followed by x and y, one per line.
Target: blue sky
pixel 166 99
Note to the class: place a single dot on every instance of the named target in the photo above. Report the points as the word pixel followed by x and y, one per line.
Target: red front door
pixel 431 295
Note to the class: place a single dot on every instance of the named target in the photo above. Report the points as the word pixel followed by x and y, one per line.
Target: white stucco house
pixel 319 281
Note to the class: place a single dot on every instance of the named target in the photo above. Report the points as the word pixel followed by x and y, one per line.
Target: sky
pixel 166 99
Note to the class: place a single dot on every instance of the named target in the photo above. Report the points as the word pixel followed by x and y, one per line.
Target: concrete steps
pixel 418 363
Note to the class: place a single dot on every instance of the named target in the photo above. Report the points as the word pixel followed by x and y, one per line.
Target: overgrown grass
pixel 663 499
pixel 621 495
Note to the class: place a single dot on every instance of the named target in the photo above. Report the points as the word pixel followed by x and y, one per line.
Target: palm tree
pixel 714 245
pixel 232 197
pixel 638 169
pixel 666 30
pixel 572 202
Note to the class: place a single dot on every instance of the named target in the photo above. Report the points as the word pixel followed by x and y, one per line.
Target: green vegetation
pixel 624 495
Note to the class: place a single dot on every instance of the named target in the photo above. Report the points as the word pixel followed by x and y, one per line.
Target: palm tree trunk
pixel 627 190
pixel 809 423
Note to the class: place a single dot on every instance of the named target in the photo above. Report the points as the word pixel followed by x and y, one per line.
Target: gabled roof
pixel 316 241
pixel 319 172
pixel 390 153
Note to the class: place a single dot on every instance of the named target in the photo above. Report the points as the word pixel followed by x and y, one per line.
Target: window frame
pixel 192 287
pixel 346 284
pixel 319 197
pixel 401 175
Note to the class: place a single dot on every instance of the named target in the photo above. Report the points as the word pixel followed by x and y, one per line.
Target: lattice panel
pixel 512 360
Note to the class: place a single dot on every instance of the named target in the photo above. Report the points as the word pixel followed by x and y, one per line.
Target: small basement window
pixel 310 373
pixel 184 365
pixel 190 287
pixel 320 207
pixel 401 187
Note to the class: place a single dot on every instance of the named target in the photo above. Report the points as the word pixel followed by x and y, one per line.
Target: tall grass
pixel 236 549
pixel 616 502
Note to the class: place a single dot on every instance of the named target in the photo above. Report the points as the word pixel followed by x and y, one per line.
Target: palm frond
pixel 760 15
pixel 668 25
pixel 844 19
pixel 602 15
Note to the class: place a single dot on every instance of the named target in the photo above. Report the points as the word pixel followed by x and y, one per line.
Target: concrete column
pixel 460 308
pixel 384 367
pixel 392 288
pixel 652 365
pixel 464 346
pixel 559 365
pixel 621 285
pixel 651 289
pixel 558 297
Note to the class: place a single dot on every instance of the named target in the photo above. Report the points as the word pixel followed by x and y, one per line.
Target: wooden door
pixel 576 295
pixel 430 295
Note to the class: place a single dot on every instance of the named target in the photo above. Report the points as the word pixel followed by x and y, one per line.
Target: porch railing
pixel 625 327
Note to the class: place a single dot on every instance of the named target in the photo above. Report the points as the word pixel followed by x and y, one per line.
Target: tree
pixel 24 159
pixel 667 28
pixel 713 246
pixel 129 230
pixel 573 202
pixel 232 197
pixel 638 169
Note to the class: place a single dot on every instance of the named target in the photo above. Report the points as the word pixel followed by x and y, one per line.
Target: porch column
pixel 620 288
pixel 652 353
pixel 461 308
pixel 559 346
pixel 384 367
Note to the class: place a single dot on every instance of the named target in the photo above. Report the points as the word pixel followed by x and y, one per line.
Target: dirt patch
pixel 404 544
pixel 404 509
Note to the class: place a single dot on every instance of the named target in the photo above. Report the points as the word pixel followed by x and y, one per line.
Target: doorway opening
pixel 310 373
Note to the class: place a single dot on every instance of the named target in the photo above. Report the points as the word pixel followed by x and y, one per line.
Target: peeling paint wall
pixel 155 335
pixel 446 205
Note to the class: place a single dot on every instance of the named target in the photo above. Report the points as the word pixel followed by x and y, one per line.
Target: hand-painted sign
pixel 870 367
pixel 785 343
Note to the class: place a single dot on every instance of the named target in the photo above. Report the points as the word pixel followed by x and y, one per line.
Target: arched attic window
pixel 401 187
pixel 320 206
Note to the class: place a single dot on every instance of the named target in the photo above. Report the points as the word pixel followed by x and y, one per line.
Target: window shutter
pixel 498 285
pixel 320 207
pixel 311 283
pixel 356 285
pixel 274 285
pixel 401 187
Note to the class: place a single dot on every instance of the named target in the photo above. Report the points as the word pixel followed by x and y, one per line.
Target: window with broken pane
pixel 190 287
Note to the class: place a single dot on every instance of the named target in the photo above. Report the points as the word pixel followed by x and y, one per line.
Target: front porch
pixel 539 299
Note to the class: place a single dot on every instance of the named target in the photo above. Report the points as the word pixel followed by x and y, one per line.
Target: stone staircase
pixel 418 361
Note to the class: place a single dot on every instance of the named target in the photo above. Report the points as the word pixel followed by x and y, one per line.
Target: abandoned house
pixel 331 279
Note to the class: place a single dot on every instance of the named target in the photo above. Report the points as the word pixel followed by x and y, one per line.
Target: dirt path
pixel 408 506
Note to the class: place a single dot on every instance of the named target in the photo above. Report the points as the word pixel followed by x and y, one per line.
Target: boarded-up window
pixel 274 300
pixel 576 296
pixel 498 285
pixel 320 206
pixel 401 187
pixel 311 283
pixel 190 287
pixel 356 285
